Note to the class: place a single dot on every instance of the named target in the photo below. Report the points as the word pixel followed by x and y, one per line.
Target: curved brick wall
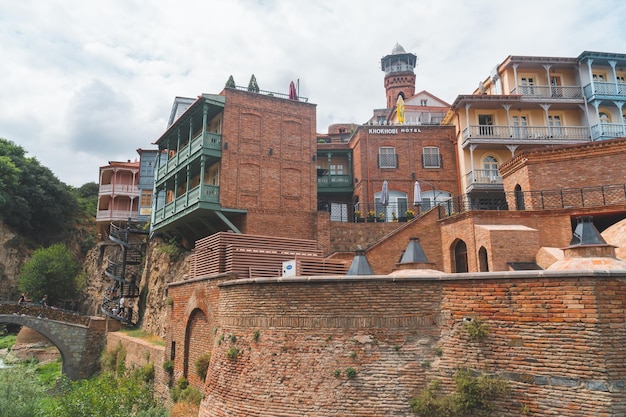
pixel 557 337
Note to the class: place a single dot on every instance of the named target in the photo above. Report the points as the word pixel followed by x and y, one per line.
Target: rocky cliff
pixel 13 254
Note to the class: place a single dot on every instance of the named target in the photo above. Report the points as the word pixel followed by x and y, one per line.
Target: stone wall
pixel 282 346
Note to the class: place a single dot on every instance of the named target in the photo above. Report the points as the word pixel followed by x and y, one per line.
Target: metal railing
pixel 546 91
pixel 526 133
pixel 566 198
pixel 270 93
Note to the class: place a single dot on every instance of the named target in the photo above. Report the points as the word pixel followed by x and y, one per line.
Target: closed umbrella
pixel 293 95
pixel 417 194
pixel 384 194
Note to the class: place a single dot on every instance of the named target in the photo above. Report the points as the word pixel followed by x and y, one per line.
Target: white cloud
pixel 84 83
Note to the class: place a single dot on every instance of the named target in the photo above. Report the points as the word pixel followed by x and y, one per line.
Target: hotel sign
pixel 392 130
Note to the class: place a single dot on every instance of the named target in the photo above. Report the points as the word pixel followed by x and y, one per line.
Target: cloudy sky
pixel 87 82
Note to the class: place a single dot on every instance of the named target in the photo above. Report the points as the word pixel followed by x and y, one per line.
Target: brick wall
pixel 267 165
pixel 409 149
pixel 556 338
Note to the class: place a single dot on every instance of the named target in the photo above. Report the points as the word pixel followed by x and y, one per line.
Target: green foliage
pixel 350 373
pixel 252 85
pixel 114 361
pixel 476 329
pixel 337 373
pixel 49 372
pixel 255 335
pixel 472 398
pixel 202 365
pixel 101 396
pixel 7 341
pixel 171 248
pixel 230 83
pixel 182 392
pixel 438 351
pixel 232 353
pixel 32 200
pixel 20 392
pixel 233 338
pixel 168 366
pixel 51 271
pixel 145 373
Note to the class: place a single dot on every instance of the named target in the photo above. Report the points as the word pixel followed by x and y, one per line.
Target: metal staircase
pixel 120 297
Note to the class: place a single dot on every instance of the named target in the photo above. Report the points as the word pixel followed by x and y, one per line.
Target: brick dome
pixel 616 236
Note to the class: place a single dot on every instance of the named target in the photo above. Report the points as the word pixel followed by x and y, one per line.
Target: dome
pixel 397 50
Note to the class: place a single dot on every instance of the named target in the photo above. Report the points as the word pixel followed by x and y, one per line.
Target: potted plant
pixel 371 215
pixel 409 214
pixel 381 217
pixel 394 217
pixel 357 216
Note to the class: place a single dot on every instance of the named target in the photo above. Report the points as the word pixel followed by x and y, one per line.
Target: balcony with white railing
pixel 522 135
pixel 601 90
pixel 549 92
pixel 603 131
pixel 116 215
pixel 130 190
pixel 483 179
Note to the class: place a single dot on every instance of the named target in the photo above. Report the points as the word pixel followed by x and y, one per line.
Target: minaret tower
pixel 399 74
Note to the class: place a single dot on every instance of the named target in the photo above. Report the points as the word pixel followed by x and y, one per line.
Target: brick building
pixel 237 161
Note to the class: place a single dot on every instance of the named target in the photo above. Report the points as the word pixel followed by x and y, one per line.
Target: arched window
pixel 490 165
pixel 483 262
pixel 519 198
pixel 604 117
pixel 460 257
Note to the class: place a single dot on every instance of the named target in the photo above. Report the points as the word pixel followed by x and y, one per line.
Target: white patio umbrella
pixel 417 194
pixel 384 194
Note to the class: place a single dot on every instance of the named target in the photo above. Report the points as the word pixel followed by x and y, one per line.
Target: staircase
pixel 121 295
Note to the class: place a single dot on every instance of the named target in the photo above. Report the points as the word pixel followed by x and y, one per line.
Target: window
pixel 604 118
pixel 387 158
pixel 555 83
pixel 146 198
pixel 423 102
pixel 527 86
pixel 490 165
pixel 485 122
pixel 599 77
pixel 431 158
pixel 555 126
pixel 520 126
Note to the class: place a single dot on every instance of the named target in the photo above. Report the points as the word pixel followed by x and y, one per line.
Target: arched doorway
pixel 460 256
pixel 196 334
pixel 483 262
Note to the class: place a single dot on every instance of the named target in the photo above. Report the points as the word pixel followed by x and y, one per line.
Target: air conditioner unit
pixel 289 268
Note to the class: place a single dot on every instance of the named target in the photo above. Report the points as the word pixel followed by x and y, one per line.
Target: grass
pixel 143 335
pixel 49 372
pixel 7 342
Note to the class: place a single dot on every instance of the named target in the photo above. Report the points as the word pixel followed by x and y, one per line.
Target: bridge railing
pixel 50 313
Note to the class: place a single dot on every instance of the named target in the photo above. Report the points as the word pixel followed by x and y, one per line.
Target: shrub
pixel 473 396
pixel 232 353
pixel 350 373
pixel 168 366
pixel 202 365
pixel 255 335
pixel 476 329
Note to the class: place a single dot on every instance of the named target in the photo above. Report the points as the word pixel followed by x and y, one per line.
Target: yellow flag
pixel 400 109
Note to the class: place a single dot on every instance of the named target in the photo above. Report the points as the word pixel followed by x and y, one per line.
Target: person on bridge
pixel 44 305
pixel 22 300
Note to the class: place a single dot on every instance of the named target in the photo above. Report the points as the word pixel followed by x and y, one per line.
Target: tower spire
pixel 399 71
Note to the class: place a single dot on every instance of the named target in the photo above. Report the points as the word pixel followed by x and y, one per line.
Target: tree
pixel 252 85
pixel 230 83
pixel 51 271
pixel 37 205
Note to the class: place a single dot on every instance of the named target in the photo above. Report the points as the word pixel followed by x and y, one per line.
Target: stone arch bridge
pixel 80 339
